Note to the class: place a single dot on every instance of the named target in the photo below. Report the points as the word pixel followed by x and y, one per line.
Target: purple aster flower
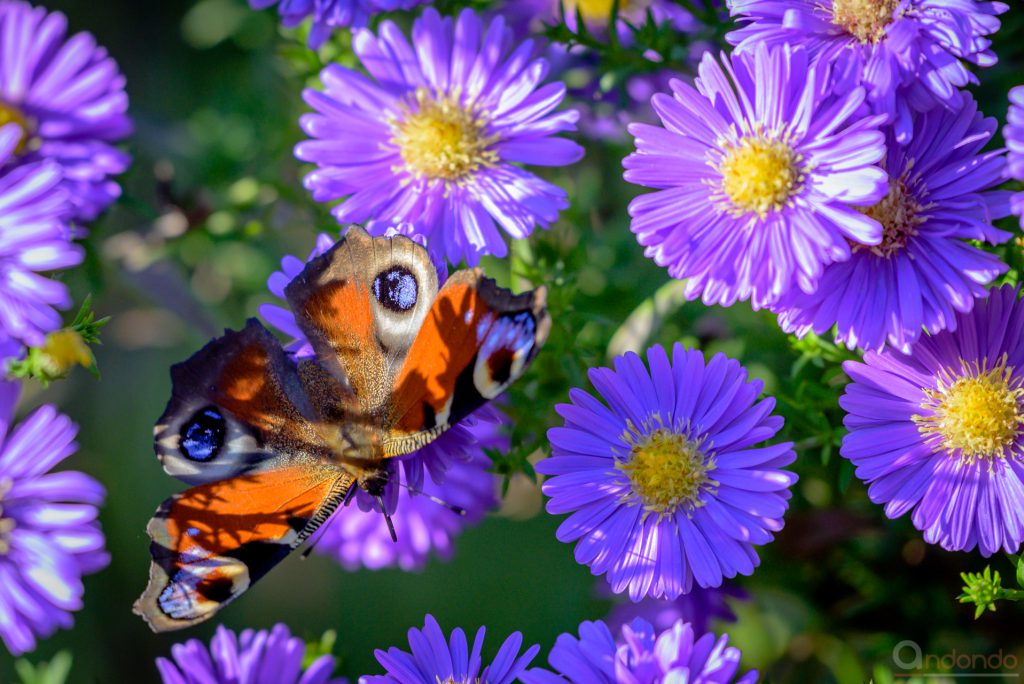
pixel 756 169
pixel 1013 132
pixel 67 97
pixel 452 468
pixel 665 485
pixel 699 608
pixel 34 238
pixel 49 534
pixel 641 655
pixel 925 270
pixel 436 659
pixel 328 15
pixel 908 54
pixel 435 137
pixel 263 657
pixel 940 431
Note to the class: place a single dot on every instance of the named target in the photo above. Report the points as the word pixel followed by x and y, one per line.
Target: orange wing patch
pixel 210 543
pixel 476 340
pixel 444 347
pixel 248 389
pixel 339 311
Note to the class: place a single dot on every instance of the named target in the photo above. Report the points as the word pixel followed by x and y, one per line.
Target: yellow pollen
pixel 439 138
pixel 865 20
pixel 666 468
pixel 596 11
pixel 759 174
pixel 6 524
pixel 63 350
pixel 975 413
pixel 899 212
pixel 10 114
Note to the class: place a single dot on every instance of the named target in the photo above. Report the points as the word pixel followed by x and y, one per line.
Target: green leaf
pixel 646 319
pixel 318 649
pixel 55 671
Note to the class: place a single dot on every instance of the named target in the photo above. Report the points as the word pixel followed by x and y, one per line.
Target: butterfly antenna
pixel 457 510
pixel 387 517
pixel 351 495
pixel 309 549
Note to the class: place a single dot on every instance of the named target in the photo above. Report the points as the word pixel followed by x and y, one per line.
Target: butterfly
pixel 274 445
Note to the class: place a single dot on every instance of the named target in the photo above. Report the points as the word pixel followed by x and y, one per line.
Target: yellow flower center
pixel 865 20
pixel 976 412
pixel 439 138
pixel 597 11
pixel 63 350
pixel 666 469
pixel 759 174
pixel 10 114
pixel 899 212
pixel 6 524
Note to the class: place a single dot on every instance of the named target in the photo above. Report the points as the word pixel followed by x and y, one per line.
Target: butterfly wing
pixel 361 304
pixel 238 425
pixel 236 406
pixel 212 542
pixel 413 360
pixel 476 340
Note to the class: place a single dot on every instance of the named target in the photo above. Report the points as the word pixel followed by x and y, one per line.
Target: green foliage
pixel 984 589
pixel 317 649
pixel 56 671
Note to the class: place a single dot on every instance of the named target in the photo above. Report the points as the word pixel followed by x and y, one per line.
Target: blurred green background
pixel 214 200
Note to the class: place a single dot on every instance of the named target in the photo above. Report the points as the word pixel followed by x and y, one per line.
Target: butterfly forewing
pixel 360 304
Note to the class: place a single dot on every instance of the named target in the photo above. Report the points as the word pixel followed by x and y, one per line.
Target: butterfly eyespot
pixel 396 288
pixel 203 435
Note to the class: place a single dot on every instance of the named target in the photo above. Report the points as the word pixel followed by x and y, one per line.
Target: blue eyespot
pixel 395 288
pixel 203 435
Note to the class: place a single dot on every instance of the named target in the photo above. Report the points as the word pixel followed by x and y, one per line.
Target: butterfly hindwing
pixel 236 405
pixel 476 340
pixel 212 542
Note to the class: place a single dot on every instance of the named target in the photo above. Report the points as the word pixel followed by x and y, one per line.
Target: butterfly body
pixel 273 445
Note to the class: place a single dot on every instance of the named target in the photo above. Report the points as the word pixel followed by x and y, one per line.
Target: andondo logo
pixel 911 660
